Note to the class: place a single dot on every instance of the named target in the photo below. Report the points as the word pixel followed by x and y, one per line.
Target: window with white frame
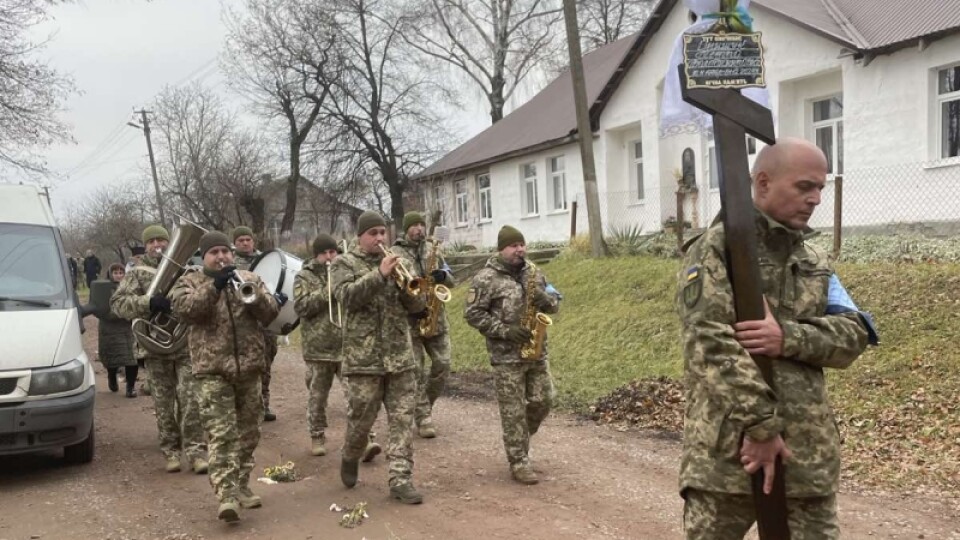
pixel 828 131
pixel 713 170
pixel 529 200
pixel 439 202
pixel 484 197
pixel 636 169
pixel 558 183
pixel 948 111
pixel 460 188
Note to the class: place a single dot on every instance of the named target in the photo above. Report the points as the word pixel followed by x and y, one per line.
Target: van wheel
pixel 82 452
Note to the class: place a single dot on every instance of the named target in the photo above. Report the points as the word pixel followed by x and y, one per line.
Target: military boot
pixel 349 470
pixel 268 415
pixel 229 510
pixel 173 464
pixel 248 499
pixel 427 429
pixel 199 466
pixel 371 451
pixel 406 493
pixel 524 474
pixel 317 447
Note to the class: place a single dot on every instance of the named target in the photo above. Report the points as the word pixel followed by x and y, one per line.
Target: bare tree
pixel 111 220
pixel 207 163
pixel 496 43
pixel 380 104
pixel 281 54
pixel 606 21
pixel 31 92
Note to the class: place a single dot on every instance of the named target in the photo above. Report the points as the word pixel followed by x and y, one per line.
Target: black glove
pixel 419 315
pixel 438 276
pixel 541 298
pixel 159 304
pixel 518 334
pixel 281 298
pixel 223 279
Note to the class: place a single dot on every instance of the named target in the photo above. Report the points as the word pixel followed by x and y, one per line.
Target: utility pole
pixel 153 165
pixel 584 132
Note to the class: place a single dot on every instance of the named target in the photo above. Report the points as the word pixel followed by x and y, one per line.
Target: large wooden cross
pixel 733 117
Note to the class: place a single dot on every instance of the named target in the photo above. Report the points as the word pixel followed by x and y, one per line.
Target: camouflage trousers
pixel 397 392
pixel 319 378
pixel 232 412
pixel 709 515
pixel 269 353
pixel 174 391
pixel 432 381
pixel 524 395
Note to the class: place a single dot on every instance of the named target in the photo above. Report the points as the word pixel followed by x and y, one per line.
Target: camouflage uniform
pixel 431 382
pixel 172 384
pixel 378 364
pixel 243 261
pixel 321 341
pixel 227 348
pixel 496 300
pixel 726 395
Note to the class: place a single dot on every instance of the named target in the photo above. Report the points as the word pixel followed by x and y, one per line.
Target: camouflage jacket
pixel 321 339
pixel 376 334
pixel 496 300
pixel 243 260
pixel 415 257
pixel 726 395
pixel 226 335
pixel 130 300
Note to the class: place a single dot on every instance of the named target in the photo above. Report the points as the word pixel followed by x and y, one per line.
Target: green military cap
pixel 213 239
pixel 153 232
pixel 412 218
pixel 368 220
pixel 242 230
pixel 322 243
pixel 508 236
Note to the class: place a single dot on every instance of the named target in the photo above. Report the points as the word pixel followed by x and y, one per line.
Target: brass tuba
pixel 163 333
pixel 533 320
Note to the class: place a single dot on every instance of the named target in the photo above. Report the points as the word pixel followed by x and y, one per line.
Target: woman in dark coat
pixel 115 339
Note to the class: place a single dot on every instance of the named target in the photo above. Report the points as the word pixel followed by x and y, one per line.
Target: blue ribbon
pixel 739 14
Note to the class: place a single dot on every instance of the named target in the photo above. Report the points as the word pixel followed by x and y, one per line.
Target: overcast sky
pixel 121 53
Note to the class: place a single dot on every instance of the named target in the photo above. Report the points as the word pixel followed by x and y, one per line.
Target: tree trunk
pixel 496 99
pixel 290 210
pixel 396 202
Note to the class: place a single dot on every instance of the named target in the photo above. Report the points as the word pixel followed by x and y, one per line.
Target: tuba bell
pixel 163 333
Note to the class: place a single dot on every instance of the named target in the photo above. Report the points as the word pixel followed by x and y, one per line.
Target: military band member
pixel 378 364
pixel 245 252
pixel 172 384
pixel 735 424
pixel 226 341
pixel 416 250
pixel 496 304
pixel 322 340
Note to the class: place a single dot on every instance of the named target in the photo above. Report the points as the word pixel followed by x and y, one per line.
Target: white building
pixel 877 88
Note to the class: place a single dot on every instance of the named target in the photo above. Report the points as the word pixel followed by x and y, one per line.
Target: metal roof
pixel 869 27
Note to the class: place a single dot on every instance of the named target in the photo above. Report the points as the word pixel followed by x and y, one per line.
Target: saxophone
pixel 437 295
pixel 533 320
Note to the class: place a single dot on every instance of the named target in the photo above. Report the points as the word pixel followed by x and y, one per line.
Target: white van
pixel 46 381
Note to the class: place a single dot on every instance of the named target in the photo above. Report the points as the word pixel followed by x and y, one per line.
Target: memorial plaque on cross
pixel 734 116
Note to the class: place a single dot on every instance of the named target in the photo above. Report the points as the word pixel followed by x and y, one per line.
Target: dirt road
pixel 597 483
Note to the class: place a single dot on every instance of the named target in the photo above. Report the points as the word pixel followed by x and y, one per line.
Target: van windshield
pixel 31 269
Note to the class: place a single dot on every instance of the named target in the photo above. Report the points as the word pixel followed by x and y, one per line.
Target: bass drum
pixel 277 268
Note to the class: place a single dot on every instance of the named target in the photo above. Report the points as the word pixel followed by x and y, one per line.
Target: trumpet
pixel 339 322
pixel 405 280
pixel 246 289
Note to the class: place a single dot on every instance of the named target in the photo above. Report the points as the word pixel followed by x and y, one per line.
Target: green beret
pixel 368 220
pixel 508 236
pixel 154 231
pixel 213 239
pixel 322 243
pixel 242 230
pixel 412 218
